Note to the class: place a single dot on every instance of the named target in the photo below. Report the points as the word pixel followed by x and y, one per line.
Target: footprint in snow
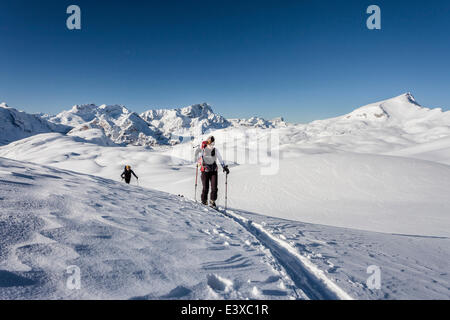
pixel 219 284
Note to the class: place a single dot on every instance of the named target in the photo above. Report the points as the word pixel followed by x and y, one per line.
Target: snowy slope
pixel 320 177
pixel 436 150
pixel 379 128
pixel 134 243
pixel 383 126
pixel 368 192
pixel 128 242
pixel 411 267
pixel 381 168
pixel 16 125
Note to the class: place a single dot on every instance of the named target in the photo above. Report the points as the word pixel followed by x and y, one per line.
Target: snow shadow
pixel 9 279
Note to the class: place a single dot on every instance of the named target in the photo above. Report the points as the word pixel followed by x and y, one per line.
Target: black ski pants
pixel 207 178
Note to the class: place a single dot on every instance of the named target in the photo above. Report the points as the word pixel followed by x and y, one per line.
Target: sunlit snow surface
pixel 367 188
pixel 134 243
pixel 129 242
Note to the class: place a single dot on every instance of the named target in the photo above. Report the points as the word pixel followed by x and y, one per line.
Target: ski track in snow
pixel 129 242
pixel 302 271
pixel 137 243
pixel 412 266
pixel 376 177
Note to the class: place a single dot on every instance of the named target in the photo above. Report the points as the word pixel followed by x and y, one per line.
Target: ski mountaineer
pixel 126 174
pixel 206 156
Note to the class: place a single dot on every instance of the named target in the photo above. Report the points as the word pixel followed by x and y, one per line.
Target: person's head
pixel 127 167
pixel 211 141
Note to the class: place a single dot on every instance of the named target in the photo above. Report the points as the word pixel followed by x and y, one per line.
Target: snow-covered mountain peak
pixel 16 125
pixel 90 111
pixel 201 111
pixel 257 122
pixel 197 111
pixel 83 108
pixel 114 110
pixel 397 116
pixel 405 98
pixel 153 127
pixel 400 108
pixel 119 124
pixel 192 120
pixel 405 108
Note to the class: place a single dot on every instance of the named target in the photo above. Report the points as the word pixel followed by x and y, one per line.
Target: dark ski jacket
pixel 126 174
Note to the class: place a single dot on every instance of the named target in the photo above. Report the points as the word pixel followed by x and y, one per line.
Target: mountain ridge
pixel 117 125
pixel 16 125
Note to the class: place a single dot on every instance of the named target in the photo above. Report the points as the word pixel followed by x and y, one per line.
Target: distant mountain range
pixel 394 120
pixel 120 125
pixel 16 125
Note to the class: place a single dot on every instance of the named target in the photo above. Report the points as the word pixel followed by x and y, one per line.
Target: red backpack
pixel 200 160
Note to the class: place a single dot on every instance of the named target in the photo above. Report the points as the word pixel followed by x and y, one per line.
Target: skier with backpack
pixel 206 156
pixel 126 174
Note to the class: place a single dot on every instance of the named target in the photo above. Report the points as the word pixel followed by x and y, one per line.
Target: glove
pixel 226 170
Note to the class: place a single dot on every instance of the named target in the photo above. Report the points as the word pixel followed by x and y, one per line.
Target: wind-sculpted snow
pixel 411 266
pixel 382 168
pixel 128 243
pixel 135 243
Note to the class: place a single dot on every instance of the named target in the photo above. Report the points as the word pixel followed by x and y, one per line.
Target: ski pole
pixel 196 179
pixel 226 191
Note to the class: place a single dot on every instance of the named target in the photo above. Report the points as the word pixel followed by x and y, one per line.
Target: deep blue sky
pixel 301 59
